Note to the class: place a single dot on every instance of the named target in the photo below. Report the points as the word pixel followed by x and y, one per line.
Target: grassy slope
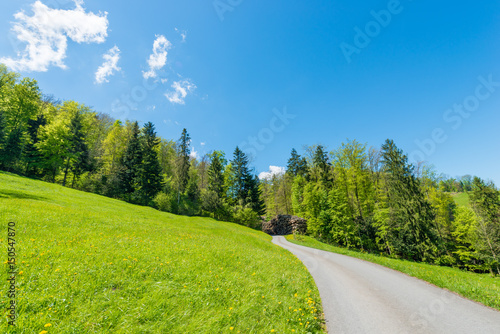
pixel 90 264
pixel 462 199
pixel 479 287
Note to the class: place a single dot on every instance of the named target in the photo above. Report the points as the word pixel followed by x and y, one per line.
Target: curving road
pixel 362 297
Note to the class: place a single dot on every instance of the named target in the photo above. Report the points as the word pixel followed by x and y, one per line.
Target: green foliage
pixel 298 186
pixel 320 171
pixel 32 156
pixel 149 178
pixel 11 151
pixel 130 164
pixel 242 176
pixel 54 145
pixel 114 146
pixel 411 231
pixel 464 233
pixel 247 217
pixel 485 199
pixel 216 174
pixel 277 195
pixel 183 164
pixel 164 202
pixel 297 165
pixel 2 130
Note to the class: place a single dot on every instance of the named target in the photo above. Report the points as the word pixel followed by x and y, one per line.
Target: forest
pixel 359 197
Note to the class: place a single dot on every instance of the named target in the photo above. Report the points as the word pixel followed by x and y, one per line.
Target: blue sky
pixel 272 76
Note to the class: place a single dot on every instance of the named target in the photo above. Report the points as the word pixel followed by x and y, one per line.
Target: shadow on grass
pixel 19 194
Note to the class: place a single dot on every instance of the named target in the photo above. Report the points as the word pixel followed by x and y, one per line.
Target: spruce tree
pixel 322 166
pixel 78 156
pixel 412 231
pixel 11 152
pixel 183 162
pixel 150 173
pixel 297 165
pixel 255 197
pixel 216 173
pixel 32 155
pixel 242 178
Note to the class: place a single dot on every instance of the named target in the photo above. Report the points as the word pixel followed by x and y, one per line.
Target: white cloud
pixel 158 59
pixel 181 89
pixel 273 171
pixel 169 121
pixel 193 154
pixel 109 66
pixel 183 34
pixel 202 143
pixel 46 35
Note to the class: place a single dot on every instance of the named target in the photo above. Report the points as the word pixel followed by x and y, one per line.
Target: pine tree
pixel 321 166
pixel 214 196
pixel 297 165
pixel 150 173
pixel 183 163
pixel 32 155
pixel 11 152
pixel 243 178
pixel 255 196
pixel 216 173
pixel 78 155
pixel 131 162
pixel 412 233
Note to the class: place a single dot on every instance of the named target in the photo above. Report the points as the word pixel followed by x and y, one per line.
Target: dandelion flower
pixel 47 325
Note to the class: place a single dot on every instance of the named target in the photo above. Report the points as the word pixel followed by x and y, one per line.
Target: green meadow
pixel 91 264
pixel 462 199
pixel 482 288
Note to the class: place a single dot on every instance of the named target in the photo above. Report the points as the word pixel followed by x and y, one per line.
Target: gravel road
pixel 362 297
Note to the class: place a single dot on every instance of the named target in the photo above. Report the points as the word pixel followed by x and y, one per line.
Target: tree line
pixel 71 144
pixel 371 199
pixel 375 200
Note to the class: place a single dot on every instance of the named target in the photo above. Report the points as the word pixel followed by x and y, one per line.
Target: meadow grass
pixel 91 264
pixel 482 288
pixel 462 199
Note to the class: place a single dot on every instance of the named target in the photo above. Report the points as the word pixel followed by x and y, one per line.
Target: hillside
pixel 91 264
pixel 461 199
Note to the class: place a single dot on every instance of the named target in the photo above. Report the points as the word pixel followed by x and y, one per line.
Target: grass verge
pixel 482 288
pixel 91 264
